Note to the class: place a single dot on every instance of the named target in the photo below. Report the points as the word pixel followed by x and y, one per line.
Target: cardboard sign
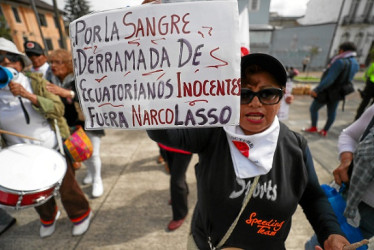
pixel 159 65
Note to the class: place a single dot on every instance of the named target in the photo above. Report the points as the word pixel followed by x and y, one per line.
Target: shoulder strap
pixel 347 69
pixel 233 225
pixel 345 79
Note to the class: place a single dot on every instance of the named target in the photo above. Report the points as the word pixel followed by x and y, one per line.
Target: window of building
pixel 254 5
pixel 3 22
pixel 358 39
pixel 344 38
pixel 43 21
pixel 353 9
pixel 16 15
pixel 49 44
pixel 368 8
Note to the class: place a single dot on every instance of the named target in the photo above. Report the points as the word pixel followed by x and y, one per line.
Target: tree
pixel 4 29
pixel 75 9
pixel 313 51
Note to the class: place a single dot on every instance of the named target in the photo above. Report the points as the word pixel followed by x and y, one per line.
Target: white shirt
pixel 350 136
pixel 13 118
pixel 42 69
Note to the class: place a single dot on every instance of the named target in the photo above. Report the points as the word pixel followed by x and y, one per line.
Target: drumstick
pixel 356 245
pixel 18 135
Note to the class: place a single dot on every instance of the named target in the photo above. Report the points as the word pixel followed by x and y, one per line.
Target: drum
pixel 29 175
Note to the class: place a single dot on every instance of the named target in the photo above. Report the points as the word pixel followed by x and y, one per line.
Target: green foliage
pixel 314 50
pixel 307 78
pixel 4 29
pixel 75 9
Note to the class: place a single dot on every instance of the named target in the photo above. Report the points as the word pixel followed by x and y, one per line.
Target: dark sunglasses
pixel 268 96
pixel 30 54
pixel 11 57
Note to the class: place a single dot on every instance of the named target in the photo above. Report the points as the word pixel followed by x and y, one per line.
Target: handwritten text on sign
pixel 159 65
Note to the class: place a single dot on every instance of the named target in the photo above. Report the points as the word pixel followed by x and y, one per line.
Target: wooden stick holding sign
pixel 18 135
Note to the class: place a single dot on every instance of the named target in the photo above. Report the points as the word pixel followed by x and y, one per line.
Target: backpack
pixel 341 87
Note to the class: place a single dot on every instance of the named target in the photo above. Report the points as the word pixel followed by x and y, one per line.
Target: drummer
pixel 27 108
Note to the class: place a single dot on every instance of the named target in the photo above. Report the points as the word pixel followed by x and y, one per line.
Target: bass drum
pixel 29 175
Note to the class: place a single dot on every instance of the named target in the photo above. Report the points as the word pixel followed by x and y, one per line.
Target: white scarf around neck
pixel 256 153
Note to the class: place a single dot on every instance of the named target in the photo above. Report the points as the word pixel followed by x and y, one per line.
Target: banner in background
pixel 159 65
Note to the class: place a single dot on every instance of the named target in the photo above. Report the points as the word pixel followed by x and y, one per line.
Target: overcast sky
pixel 283 7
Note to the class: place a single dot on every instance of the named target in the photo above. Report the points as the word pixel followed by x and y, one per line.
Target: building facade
pixel 21 19
pixel 356 24
pixel 324 27
pixel 259 28
pixel 292 44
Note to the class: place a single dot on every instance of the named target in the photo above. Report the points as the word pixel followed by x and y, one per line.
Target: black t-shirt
pixel 71 114
pixel 265 223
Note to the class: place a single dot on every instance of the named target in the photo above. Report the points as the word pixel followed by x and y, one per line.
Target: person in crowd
pixel 368 93
pixel 262 150
pixel 287 100
pixel 63 85
pixel 305 62
pixel 177 161
pixel 344 63
pixel 292 72
pixel 33 114
pixel 356 150
pixel 38 59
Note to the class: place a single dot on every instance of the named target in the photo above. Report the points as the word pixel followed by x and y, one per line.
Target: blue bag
pixel 338 204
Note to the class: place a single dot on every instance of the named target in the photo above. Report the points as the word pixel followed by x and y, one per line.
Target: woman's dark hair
pixel 347 46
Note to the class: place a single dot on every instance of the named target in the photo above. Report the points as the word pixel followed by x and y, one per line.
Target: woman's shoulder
pixel 290 136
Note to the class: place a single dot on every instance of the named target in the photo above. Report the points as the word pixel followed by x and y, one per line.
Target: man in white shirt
pixel 38 58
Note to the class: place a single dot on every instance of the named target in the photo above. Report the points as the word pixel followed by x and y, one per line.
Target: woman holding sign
pixel 252 177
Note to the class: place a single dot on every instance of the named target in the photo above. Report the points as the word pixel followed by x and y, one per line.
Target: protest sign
pixel 159 65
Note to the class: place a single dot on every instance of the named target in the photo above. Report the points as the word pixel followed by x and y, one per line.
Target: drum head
pixel 28 167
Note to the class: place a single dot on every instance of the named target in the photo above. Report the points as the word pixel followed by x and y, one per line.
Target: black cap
pixel 33 47
pixel 268 63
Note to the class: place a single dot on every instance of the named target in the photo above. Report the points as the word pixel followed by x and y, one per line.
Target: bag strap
pixel 347 66
pixel 245 202
pixel 346 76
